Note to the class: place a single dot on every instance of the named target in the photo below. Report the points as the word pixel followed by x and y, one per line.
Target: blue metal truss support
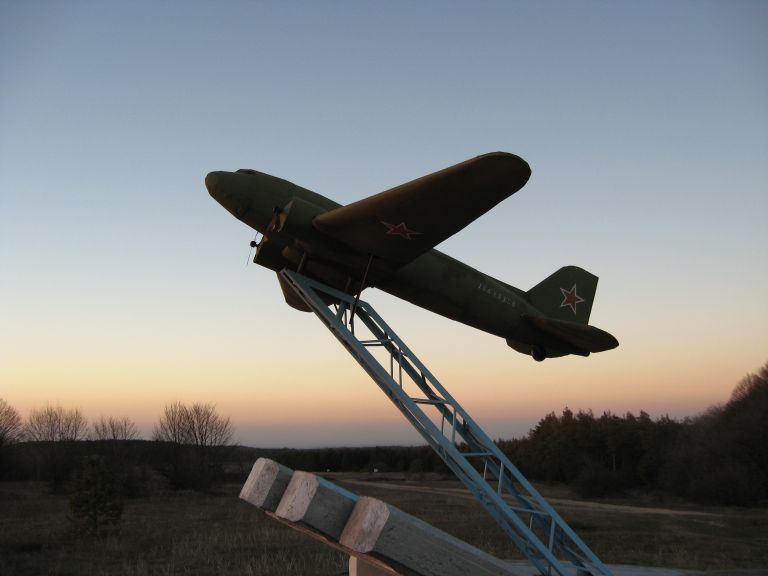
pixel 530 521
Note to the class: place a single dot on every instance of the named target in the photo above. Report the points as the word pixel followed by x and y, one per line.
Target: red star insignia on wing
pixel 570 299
pixel 399 230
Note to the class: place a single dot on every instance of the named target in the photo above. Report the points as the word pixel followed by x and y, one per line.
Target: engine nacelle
pixel 295 231
pixel 295 222
pixel 269 254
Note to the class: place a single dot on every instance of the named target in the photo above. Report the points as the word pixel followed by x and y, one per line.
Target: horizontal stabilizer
pixel 404 222
pixel 582 337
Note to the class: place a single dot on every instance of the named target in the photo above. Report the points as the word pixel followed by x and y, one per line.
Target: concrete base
pixel 380 539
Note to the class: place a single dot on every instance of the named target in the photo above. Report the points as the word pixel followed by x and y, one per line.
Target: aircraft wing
pixel 404 222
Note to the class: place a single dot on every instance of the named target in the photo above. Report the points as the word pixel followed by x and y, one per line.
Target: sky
pixel 123 284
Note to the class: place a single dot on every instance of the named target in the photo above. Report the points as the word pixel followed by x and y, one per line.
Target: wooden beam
pixel 359 567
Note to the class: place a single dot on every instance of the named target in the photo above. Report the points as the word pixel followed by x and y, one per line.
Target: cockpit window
pixel 246 171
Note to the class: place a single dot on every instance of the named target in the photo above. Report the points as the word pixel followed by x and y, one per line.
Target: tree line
pixel 717 457
pixel 188 444
pixel 198 424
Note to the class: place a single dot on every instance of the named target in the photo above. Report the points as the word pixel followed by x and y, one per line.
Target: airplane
pixel 387 241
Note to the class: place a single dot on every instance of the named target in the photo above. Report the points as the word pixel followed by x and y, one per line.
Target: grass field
pixel 174 533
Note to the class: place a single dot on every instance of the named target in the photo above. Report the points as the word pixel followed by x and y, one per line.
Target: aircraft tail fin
pixel 567 294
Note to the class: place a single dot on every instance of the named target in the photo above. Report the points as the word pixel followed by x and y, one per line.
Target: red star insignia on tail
pixel 570 298
pixel 399 230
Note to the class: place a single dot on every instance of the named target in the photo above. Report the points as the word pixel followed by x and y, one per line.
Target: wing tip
pixel 521 168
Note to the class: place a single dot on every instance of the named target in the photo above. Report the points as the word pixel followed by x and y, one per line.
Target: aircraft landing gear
pixel 538 353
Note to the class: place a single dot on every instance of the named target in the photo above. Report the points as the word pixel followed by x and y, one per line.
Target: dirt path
pixel 559 502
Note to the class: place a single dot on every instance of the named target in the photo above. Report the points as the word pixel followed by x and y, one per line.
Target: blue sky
pixel 124 284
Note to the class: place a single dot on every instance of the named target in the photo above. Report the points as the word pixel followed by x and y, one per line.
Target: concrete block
pixel 412 546
pixel 266 484
pixel 317 504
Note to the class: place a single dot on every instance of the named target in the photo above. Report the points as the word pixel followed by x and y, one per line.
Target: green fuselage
pixel 450 288
pixel 433 281
pixel 547 321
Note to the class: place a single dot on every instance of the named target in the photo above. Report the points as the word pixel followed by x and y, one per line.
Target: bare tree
pixel 114 429
pixel 197 425
pixel 207 428
pixel 56 429
pixel 56 424
pixel 173 424
pixel 11 425
pixel 197 440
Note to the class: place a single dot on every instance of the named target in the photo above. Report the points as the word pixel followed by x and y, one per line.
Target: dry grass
pixel 187 533
pixel 169 534
pixel 639 530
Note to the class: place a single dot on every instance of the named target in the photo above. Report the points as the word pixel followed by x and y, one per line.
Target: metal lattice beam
pixel 530 521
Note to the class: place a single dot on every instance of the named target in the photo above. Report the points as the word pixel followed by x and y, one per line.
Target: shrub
pixel 96 503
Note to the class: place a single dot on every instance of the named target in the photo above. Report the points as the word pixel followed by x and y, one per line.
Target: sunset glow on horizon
pixel 124 286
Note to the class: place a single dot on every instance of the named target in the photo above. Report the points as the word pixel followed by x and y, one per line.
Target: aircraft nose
pixel 225 191
pixel 212 182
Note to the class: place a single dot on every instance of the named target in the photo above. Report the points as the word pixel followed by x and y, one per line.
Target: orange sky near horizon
pixel 305 379
pixel 123 284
